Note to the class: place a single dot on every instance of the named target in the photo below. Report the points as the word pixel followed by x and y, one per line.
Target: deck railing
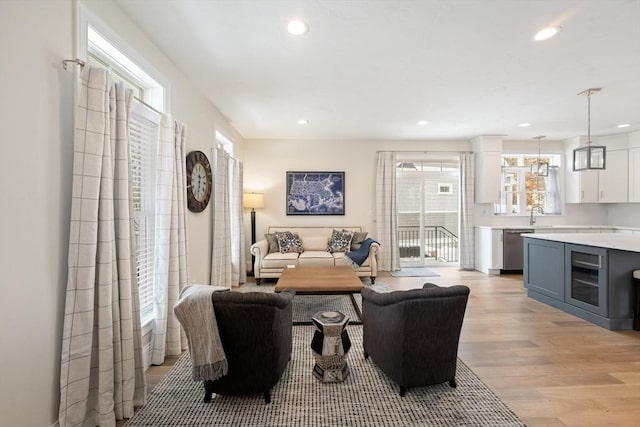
pixel 439 243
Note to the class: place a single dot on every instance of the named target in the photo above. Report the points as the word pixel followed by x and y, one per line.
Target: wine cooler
pixel 586 269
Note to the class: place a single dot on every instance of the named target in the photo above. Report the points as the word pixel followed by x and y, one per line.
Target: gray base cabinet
pixel 543 268
pixel 592 283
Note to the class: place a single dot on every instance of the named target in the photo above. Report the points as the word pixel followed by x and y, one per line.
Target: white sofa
pixel 314 242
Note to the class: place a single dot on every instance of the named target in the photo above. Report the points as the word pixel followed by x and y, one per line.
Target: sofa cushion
pixel 278 260
pixel 273 243
pixel 316 254
pixel 289 242
pixel 340 241
pixel 358 238
pixel 314 243
pixel 316 258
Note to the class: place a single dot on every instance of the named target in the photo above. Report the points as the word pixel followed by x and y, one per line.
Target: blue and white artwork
pixel 315 193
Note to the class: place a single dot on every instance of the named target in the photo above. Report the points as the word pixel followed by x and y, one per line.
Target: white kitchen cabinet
pixel 591 186
pixel 488 170
pixel 581 187
pixel 634 175
pixel 613 181
pixel 488 250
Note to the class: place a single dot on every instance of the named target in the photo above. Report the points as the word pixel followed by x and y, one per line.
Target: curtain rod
pixel 147 105
pixel 66 62
pixel 81 63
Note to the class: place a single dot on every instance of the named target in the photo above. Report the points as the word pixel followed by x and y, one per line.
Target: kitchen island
pixel 589 275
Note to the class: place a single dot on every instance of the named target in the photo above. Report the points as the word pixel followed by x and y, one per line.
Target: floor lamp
pixel 253 201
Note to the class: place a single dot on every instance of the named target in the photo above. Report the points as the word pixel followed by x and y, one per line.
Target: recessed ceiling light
pixel 624 125
pixel 297 27
pixel 524 125
pixel 422 122
pixel 546 33
pixel 303 121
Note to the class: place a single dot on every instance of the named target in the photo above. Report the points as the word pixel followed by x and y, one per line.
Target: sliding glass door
pixel 427 195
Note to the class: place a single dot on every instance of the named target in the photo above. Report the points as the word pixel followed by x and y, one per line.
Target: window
pixel 524 190
pixel 143 148
pixel 445 188
pixel 144 126
pixel 225 143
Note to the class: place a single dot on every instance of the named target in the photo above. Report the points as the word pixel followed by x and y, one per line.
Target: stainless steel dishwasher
pixel 512 249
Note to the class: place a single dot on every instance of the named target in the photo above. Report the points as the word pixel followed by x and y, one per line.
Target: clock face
pixel 198 181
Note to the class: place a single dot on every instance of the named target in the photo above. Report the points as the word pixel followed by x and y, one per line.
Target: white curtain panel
pixel 465 218
pixel 101 372
pixel 238 256
pixel 552 196
pixel 170 269
pixel 387 212
pixel 227 255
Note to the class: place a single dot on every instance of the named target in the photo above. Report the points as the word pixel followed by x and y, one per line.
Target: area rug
pixel 305 306
pixel 414 272
pixel 366 398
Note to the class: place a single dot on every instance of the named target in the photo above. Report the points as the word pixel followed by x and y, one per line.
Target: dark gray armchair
pixel 412 336
pixel 255 331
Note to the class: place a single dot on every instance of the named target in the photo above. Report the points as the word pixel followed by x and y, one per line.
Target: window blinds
pixel 144 126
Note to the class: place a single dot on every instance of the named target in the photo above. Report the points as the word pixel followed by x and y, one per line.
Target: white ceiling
pixel 372 69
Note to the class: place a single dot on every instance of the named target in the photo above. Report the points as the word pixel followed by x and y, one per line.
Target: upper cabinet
pixel 613 182
pixel 488 168
pixel 487 155
pixel 610 185
pixel 634 175
pixel 581 187
pixel 634 167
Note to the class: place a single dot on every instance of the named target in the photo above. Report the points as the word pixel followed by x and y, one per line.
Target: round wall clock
pixel 198 181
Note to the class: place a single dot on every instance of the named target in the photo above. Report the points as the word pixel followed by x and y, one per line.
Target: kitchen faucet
pixel 532 219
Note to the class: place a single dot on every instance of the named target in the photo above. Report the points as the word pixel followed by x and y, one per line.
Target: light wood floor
pixel 549 367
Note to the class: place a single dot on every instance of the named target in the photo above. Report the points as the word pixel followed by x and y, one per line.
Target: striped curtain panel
pixel 170 268
pixel 101 372
pixel 465 218
pixel 227 256
pixel 387 212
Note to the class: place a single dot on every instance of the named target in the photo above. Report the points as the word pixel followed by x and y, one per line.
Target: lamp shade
pixel 253 200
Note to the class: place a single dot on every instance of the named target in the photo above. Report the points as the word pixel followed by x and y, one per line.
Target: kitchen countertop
pixel 560 227
pixel 619 241
pixel 510 227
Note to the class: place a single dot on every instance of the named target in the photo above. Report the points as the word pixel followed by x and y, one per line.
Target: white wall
pixel 624 214
pixel 36 117
pixel 266 163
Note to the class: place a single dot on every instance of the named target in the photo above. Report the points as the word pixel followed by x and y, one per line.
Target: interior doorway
pixel 427 193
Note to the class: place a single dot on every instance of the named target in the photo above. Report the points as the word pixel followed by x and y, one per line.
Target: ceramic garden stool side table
pixel 330 345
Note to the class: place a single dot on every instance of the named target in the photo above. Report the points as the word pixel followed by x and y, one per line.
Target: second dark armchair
pixel 412 336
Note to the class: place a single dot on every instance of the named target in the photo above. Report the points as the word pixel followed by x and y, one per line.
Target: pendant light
pixel 540 168
pixel 589 157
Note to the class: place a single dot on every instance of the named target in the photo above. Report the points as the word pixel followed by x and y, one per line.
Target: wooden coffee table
pixel 321 280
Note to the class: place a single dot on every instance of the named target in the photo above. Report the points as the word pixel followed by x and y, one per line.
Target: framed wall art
pixel 315 193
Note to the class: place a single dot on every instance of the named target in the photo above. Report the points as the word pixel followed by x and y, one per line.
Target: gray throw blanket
pixel 195 313
pixel 357 257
